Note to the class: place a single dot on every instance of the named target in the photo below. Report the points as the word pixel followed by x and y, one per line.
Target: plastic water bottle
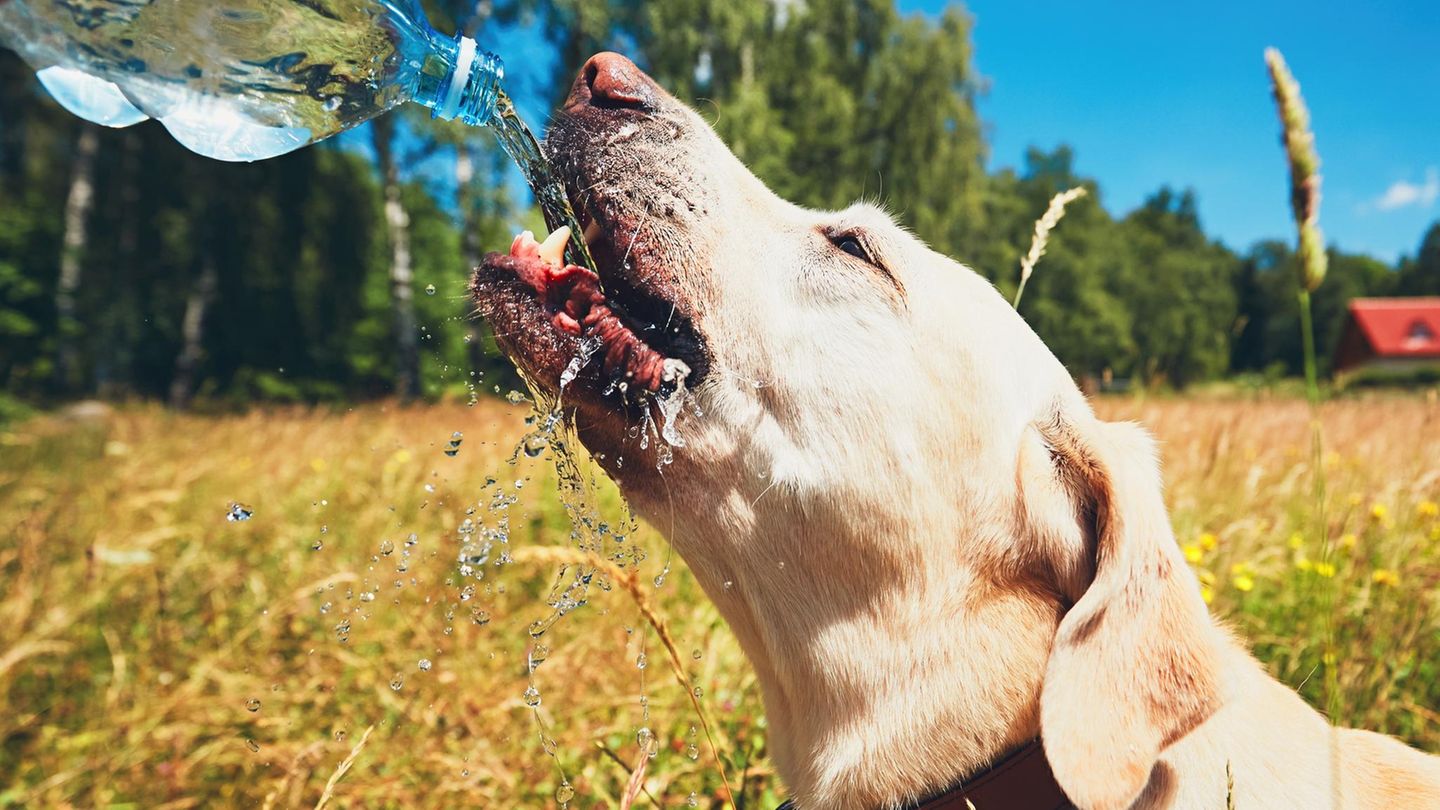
pixel 249 79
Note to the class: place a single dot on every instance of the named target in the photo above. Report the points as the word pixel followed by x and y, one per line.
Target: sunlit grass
pixel 137 623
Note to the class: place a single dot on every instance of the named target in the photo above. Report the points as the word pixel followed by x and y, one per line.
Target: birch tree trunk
pixel 78 203
pixel 402 281
pixel 192 330
pixel 469 247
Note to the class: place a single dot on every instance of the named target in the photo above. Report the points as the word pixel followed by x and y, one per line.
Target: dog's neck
pixel 886 674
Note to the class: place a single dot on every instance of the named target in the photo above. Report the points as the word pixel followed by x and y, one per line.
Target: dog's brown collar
pixel 1020 781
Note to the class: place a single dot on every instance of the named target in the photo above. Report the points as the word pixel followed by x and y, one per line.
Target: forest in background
pixel 130 267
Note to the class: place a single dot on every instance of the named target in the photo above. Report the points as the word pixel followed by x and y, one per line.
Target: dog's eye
pixel 851 245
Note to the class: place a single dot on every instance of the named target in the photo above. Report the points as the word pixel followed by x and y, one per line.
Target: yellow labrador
pixel 929 547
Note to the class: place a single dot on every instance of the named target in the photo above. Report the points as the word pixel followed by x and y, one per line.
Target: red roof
pixel 1399 327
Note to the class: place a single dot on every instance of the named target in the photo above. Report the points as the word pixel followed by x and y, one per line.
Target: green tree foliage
pixel 302 309
pixel 1267 334
pixel 1421 275
pixel 828 101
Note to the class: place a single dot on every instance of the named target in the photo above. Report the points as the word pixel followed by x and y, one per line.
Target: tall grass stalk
pixel 1299 142
pixel 1043 226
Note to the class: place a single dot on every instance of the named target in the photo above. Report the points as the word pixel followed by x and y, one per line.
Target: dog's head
pixel 841 429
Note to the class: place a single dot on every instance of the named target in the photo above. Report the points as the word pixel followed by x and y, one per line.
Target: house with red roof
pixel 1390 333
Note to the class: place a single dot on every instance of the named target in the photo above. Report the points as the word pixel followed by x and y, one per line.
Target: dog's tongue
pixel 574 292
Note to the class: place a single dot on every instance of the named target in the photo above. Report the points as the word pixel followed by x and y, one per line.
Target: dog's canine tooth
pixel 552 250
pixel 592 231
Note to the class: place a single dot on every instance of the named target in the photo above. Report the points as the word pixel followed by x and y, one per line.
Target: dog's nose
pixel 611 80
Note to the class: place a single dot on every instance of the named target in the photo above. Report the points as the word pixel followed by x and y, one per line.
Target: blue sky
pixel 1149 93
pixel 1157 92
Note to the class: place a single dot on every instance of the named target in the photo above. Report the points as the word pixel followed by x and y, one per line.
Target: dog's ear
pixel 1134 663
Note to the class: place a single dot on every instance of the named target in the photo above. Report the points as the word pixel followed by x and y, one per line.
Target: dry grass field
pixel 155 654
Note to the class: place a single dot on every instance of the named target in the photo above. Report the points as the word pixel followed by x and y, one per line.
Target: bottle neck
pixel 474 85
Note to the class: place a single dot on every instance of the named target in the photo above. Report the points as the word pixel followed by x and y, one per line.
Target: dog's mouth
pixel 614 334
pixel 625 331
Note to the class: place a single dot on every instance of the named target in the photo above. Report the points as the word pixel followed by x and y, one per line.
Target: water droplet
pixel 425 664
pixel 325 608
pixel 514 397
pixel 564 793
pixel 453 446
pixel 641 661
pixel 339 735
pixel 532 696
pixel 537 656
pixel 387 548
pixel 252 745
pixel 692 752
pixel 534 444
pixel 332 104
pixel 429 487
pixel 691 801
pixel 696 654
pixel 645 738
pixel 480 617
pixel 397 682
pixel 238 512
pixel 429 289
pixel 698 692
pixel 253 705
pixel 317 545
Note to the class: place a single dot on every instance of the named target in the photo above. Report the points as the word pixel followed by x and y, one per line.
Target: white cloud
pixel 1403 193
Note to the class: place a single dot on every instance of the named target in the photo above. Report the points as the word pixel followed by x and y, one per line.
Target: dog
pixel 927 544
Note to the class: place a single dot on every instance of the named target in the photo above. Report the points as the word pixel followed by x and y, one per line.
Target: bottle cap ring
pixel 458 79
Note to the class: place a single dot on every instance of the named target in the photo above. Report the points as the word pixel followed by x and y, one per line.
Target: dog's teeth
pixel 592 231
pixel 552 250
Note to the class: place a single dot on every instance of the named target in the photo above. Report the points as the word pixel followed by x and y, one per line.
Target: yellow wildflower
pixel 1303 563
pixel 1243 582
pixel 1208 541
pixel 1380 512
pixel 1325 569
pixel 1384 576
pixel 1207 593
pixel 1428 509
pixel 1193 553
pixel 1297 540
pixel 1348 541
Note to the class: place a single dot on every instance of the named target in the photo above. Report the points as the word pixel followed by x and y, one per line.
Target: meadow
pixel 328 650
